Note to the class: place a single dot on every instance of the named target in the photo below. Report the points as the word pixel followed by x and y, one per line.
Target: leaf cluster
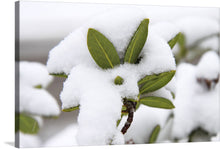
pixel 105 55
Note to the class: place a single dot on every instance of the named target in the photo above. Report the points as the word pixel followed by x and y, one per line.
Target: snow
pixel 211 43
pixel 33 100
pixel 26 140
pixel 33 74
pixel 197 27
pixel 157 56
pixel 129 88
pixel 171 86
pixel 64 138
pixel 195 105
pixel 146 118
pixel 100 105
pixel 70 52
pixel 166 30
pixel 118 139
pixel 208 66
pixel 37 101
pixel 216 138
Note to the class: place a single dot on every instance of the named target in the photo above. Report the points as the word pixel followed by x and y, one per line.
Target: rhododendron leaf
pixel 26 124
pixel 38 86
pixel 102 50
pixel 157 102
pixel 174 40
pixel 59 75
pixel 137 42
pixel 154 82
pixel 118 80
pixel 154 134
pixel 71 109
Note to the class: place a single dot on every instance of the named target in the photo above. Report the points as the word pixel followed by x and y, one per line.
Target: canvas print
pixel 106 74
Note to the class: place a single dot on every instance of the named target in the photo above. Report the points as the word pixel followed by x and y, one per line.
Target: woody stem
pixel 130 108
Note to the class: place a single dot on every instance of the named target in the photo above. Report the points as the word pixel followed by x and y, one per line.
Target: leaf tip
pixel 146 20
pixel 172 106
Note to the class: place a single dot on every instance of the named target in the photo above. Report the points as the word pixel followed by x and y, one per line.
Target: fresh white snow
pixel 64 138
pixel 33 100
pixel 197 27
pixel 27 140
pixel 196 106
pixel 208 66
pixel 33 74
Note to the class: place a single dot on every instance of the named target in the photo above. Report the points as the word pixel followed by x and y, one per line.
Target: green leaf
pixel 173 95
pixel 157 102
pixel 102 50
pixel 71 109
pixel 138 105
pixel 118 80
pixel 26 124
pixel 38 86
pixel 154 82
pixel 137 42
pixel 59 75
pixel 118 122
pixel 174 40
pixel 182 52
pixel 154 134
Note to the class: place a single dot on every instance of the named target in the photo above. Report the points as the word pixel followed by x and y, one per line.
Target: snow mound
pixel 100 104
pixel 196 107
pixel 64 138
pixel 208 66
pixel 33 74
pixel 26 140
pixel 33 100
pixel 166 30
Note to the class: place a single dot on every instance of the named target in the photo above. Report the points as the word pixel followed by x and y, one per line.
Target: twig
pixel 130 108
